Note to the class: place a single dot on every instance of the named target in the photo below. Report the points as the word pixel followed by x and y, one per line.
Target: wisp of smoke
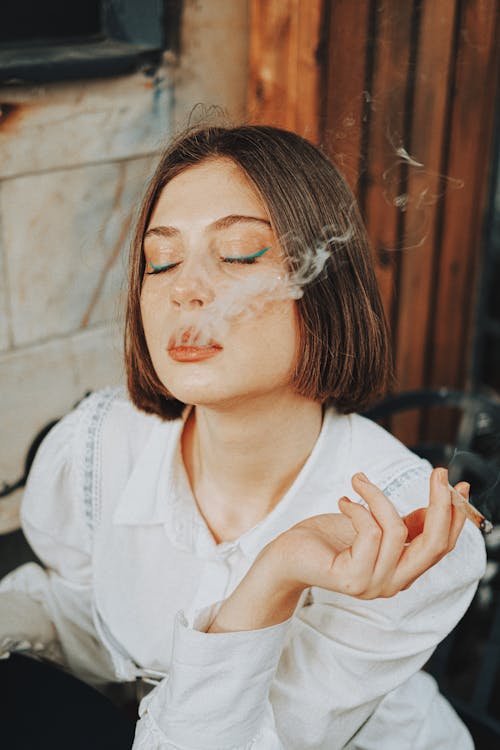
pixel 484 475
pixel 236 297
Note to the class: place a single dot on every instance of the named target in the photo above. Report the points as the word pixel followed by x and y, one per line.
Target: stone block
pixel 69 124
pixel 41 383
pixel 66 237
pixel 4 309
pixel 213 66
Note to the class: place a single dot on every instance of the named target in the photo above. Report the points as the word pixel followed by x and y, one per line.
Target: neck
pixel 241 461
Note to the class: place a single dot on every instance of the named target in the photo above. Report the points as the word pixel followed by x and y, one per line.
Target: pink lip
pixel 193 353
pixel 188 337
pixel 183 347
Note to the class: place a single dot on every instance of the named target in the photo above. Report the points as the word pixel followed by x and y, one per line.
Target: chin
pixel 211 395
pixel 200 394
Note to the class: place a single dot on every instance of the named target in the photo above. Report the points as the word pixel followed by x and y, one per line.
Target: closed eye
pixel 160 269
pixel 246 258
pixel 227 259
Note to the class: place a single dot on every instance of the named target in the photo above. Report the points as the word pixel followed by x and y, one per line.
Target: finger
pixel 463 488
pixel 414 521
pixel 457 524
pixel 394 531
pixel 365 548
pixel 431 545
pixel 458 515
pixel 381 508
pixel 439 515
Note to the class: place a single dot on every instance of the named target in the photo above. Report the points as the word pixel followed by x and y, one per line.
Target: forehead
pixel 201 194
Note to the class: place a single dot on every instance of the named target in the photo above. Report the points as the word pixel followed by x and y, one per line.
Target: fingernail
pixel 362 477
pixel 443 476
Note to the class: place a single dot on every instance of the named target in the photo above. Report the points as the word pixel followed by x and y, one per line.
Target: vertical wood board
pixel 424 190
pixel 345 100
pixel 284 71
pixel 472 118
pixel 388 91
pixel 406 112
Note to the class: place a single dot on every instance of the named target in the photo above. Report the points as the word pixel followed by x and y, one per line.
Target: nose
pixel 191 290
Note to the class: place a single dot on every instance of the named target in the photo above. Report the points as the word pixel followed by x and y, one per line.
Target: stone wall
pixel 74 160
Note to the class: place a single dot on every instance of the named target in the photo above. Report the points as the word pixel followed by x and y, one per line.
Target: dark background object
pixel 56 40
pixel 34 21
pixel 42 706
pixel 467 663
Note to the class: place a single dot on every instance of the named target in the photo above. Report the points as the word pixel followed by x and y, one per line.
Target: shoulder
pixel 107 420
pixel 104 433
pixel 372 442
pixel 397 471
pixel 102 420
pixel 107 405
pixel 383 457
pixel 111 438
pixel 110 414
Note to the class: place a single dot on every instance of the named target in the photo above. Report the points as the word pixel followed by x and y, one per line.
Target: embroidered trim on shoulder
pixel 94 409
pixel 419 471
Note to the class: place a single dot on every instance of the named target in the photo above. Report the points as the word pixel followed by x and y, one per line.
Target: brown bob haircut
pixel 344 354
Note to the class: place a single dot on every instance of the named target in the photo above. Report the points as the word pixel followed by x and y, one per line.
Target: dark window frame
pixel 133 35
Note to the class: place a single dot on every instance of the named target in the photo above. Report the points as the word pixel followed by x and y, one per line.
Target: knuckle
pixel 370 594
pixel 373 531
pixel 354 587
pixel 389 592
pixel 402 532
pixel 443 547
pixel 437 546
pixel 437 554
pixel 408 585
pixel 398 530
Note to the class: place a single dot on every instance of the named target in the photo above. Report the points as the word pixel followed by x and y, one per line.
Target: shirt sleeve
pixel 48 610
pixel 317 679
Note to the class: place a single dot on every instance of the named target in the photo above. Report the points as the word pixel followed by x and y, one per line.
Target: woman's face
pixel 216 327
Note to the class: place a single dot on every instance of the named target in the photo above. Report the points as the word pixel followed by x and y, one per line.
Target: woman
pixel 191 528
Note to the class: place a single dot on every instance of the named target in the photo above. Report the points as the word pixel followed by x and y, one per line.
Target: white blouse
pixel 134 579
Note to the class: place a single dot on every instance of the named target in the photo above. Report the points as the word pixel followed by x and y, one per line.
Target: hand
pixel 373 558
pixel 364 553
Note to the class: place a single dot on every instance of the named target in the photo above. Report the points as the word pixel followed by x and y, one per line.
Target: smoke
pixel 241 291
pixel 416 194
pixel 483 474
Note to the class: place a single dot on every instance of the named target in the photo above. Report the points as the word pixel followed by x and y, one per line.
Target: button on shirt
pixel 134 578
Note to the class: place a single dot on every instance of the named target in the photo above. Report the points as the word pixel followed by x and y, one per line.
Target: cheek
pixel 277 334
pixel 150 308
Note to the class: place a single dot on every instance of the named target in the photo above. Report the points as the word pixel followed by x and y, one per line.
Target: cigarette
pixel 471 512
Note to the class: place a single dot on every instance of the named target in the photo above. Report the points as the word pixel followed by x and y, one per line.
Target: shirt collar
pixel 150 487
pixel 157 491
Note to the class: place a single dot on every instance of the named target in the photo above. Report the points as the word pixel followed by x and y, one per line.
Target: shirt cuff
pixel 216 693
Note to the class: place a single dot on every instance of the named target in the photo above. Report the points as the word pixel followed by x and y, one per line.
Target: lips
pixel 184 347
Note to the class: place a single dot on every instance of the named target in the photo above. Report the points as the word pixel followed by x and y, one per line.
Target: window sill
pixel 42 64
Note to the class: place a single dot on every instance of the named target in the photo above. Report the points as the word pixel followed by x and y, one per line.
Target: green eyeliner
pixel 258 254
pixel 161 268
pixel 227 259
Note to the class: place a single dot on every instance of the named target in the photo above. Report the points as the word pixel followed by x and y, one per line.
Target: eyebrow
pixel 224 223
pixel 228 221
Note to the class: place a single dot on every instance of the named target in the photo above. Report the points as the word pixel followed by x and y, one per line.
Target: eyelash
pixel 244 259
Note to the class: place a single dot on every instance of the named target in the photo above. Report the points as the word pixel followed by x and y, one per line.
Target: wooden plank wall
pixel 401 94
pixel 284 71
